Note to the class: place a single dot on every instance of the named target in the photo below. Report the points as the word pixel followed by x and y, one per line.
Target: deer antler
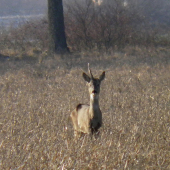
pixel 90 71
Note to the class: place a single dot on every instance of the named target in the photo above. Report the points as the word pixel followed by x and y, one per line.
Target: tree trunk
pixel 57 38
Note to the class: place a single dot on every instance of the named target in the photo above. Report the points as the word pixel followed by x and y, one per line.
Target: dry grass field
pixel 37 98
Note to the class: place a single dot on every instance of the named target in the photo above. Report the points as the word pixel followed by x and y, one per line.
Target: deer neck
pixel 94 106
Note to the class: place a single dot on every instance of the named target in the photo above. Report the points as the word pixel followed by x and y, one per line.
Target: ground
pixel 37 99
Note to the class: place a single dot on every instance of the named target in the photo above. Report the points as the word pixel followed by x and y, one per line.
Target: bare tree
pixel 57 38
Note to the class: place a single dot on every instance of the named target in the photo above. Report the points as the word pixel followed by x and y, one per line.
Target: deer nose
pixel 94 91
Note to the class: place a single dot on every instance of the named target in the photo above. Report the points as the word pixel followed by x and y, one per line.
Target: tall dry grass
pixel 37 98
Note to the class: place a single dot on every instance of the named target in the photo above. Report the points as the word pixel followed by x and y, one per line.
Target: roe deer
pixel 88 118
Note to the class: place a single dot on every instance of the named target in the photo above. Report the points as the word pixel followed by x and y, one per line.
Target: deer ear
pixel 102 76
pixel 86 77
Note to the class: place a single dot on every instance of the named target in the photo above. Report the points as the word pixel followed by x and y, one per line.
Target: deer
pixel 87 119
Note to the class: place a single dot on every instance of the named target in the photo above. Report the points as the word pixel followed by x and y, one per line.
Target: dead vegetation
pixel 38 93
pixel 37 98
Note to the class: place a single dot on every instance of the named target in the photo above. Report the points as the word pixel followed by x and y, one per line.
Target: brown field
pixel 37 98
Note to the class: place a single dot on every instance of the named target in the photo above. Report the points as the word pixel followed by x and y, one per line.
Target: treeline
pixel 113 24
pixel 116 24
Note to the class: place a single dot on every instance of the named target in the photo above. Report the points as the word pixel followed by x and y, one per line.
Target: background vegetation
pixel 89 27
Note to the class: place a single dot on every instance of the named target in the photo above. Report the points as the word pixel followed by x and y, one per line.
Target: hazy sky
pixel 22 7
